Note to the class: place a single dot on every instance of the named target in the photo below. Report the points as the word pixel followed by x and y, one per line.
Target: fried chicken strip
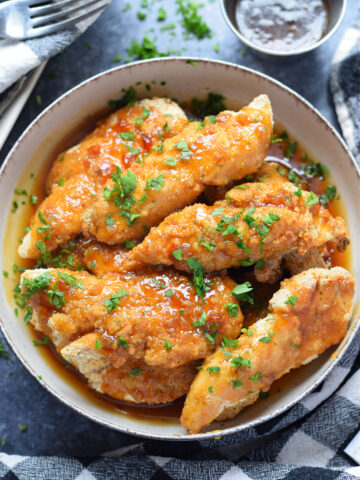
pixel 79 175
pixel 306 316
pixel 207 153
pixel 156 313
pixel 135 381
pixel 259 222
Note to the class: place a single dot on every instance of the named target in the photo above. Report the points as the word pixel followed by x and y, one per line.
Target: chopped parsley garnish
pixel 177 254
pixel 145 49
pixel 213 105
pixel 61 181
pixel 185 151
pixel 208 245
pixel 171 162
pixel 260 263
pixel 127 136
pixel 109 220
pixel 135 371
pixel 71 280
pixel 290 149
pixel 44 341
pixel 264 394
pixel 129 244
pixel 92 264
pixel 328 196
pixel 112 302
pixel 97 344
pixel 294 345
pixel 33 199
pixel 169 293
pixel 256 377
pixel 292 177
pixel 161 15
pixel 298 192
pixel 291 300
pixel 249 331
pixel 23 427
pixel 122 342
pixel 181 312
pixel 237 383
pixel 267 339
pixel 312 199
pixel 315 170
pixel 232 308
pixel 218 211
pixel 56 297
pixel 201 321
pixel 211 389
pixel 241 292
pixel 192 21
pixel 275 138
pixel 4 352
pixel 239 361
pixel 166 127
pixel 155 183
pixel 228 342
pixel 247 262
pixel 132 150
pixel 213 369
pixel 198 270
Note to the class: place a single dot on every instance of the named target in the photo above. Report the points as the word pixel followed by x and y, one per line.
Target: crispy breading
pixel 207 153
pixel 259 222
pixel 134 381
pixel 79 175
pixel 306 316
pixel 151 310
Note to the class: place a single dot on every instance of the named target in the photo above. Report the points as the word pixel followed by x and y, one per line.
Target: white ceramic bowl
pixel 183 81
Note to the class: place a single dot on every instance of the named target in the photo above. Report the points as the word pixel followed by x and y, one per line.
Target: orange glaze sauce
pixel 14 231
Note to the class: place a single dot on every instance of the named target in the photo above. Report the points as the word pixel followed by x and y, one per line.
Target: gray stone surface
pixel 52 428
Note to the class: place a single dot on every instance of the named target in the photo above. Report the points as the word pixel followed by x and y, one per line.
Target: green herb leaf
pixel 114 300
pixel 292 300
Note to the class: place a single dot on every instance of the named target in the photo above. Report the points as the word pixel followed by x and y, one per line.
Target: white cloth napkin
pixel 17 58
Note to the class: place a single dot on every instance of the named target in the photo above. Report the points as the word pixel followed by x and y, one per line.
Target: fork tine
pixel 56 27
pixel 41 10
pixel 30 3
pixel 46 19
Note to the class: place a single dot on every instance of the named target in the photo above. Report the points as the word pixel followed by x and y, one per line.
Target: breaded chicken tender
pixel 134 381
pixel 213 152
pixel 306 316
pixel 80 174
pixel 258 224
pixel 98 258
pixel 156 313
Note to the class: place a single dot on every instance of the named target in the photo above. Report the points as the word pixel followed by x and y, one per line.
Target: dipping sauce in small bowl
pixel 282 25
pixel 282 29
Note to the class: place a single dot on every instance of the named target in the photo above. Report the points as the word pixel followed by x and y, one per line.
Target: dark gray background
pixel 52 428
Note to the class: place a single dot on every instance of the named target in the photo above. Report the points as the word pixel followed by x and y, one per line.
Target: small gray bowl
pixel 337 10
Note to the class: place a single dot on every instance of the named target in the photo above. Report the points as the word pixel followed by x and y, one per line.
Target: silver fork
pixel 23 19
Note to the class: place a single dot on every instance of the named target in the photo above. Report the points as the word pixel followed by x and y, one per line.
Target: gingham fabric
pixel 345 86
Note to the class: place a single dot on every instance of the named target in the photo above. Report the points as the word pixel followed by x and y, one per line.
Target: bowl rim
pixel 215 433
pixel 281 53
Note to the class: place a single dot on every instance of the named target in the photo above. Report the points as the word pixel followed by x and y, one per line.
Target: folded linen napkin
pixel 17 58
pixel 345 86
